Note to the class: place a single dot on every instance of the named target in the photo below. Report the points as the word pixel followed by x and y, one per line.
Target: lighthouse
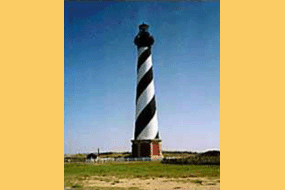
pixel 146 141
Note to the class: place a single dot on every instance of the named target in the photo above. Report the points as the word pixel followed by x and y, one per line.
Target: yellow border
pixel 32 94
pixel 252 95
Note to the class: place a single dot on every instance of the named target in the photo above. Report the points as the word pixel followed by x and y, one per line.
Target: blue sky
pixel 100 73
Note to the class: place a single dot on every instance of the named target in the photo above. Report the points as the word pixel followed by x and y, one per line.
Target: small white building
pixel 91 157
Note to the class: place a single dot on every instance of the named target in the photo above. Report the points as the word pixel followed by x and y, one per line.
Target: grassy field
pixel 74 173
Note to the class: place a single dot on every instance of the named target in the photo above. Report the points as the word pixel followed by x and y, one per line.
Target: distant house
pixel 67 159
pixel 91 157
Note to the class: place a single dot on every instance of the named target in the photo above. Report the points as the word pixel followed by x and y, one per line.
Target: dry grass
pixel 139 175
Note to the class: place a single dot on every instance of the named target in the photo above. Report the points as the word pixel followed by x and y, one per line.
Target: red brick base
pixel 147 148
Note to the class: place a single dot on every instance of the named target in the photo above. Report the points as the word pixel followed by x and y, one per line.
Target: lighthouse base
pixel 147 148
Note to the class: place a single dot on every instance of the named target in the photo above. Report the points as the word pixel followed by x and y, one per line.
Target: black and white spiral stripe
pixel 146 126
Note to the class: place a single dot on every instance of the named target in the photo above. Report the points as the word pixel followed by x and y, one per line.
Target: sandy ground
pixel 192 183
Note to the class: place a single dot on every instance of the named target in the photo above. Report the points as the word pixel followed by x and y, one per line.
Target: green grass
pixel 76 186
pixel 140 170
pixel 76 173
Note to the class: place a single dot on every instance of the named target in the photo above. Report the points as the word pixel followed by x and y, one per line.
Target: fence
pixel 102 160
pixel 128 159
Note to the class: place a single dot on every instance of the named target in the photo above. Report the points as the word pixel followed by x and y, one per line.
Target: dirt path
pixel 151 183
